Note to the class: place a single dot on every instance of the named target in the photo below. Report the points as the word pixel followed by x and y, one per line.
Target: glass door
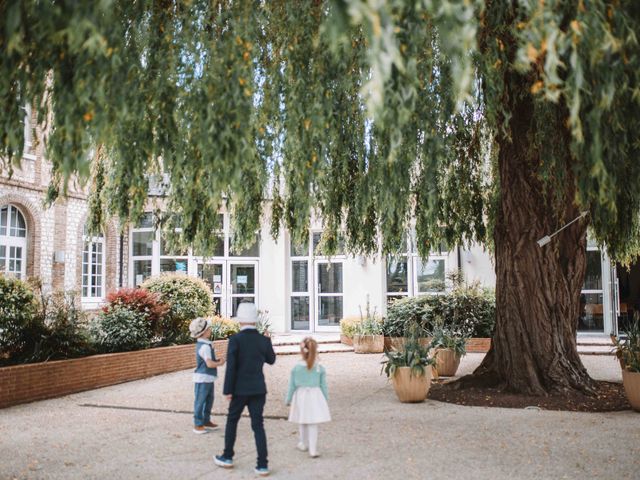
pixel 241 284
pixel 329 295
pixel 213 274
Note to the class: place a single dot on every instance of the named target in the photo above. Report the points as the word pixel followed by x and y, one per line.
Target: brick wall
pixel 37 381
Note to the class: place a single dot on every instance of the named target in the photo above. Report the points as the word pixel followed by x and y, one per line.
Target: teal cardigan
pixel 303 377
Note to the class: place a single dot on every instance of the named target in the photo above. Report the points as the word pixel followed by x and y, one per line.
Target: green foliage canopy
pixel 375 113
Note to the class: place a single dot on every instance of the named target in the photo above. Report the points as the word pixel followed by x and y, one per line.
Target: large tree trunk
pixel 537 288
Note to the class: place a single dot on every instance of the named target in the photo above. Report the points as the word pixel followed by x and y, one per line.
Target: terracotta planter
pixel 631 382
pixel 447 362
pixel 478 345
pixel 397 343
pixel 411 388
pixel 346 340
pixel 368 343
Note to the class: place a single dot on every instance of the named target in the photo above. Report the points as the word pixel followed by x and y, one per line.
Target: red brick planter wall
pixel 37 381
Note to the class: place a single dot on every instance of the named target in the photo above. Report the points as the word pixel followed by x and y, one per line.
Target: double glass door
pixel 232 282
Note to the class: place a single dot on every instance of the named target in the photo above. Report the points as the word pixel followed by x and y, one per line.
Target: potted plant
pixel 348 329
pixel 368 337
pixel 410 371
pixel 449 347
pixel 628 353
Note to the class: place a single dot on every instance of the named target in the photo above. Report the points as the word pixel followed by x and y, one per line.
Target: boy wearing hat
pixel 204 375
pixel 244 385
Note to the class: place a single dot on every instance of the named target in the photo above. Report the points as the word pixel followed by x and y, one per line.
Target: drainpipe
pixel 121 260
pixel 459 254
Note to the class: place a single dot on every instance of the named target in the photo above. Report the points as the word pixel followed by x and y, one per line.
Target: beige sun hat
pixel 198 326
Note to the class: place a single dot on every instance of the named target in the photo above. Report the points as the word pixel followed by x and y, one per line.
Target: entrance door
pixel 241 286
pixel 232 282
pixel 329 295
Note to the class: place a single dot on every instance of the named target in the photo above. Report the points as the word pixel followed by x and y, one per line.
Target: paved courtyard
pixel 143 430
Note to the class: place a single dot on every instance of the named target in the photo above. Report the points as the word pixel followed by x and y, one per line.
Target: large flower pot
pixel 447 362
pixel 346 340
pixel 631 382
pixel 368 343
pixel 411 388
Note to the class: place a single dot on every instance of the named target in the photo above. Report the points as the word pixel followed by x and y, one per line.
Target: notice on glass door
pixel 217 287
pixel 217 278
pixel 241 279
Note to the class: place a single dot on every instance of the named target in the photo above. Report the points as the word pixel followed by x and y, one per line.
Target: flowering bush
pixel 143 302
pixel 222 328
pixel 120 329
pixel 187 298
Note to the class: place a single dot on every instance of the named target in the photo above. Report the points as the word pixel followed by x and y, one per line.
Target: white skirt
pixel 309 406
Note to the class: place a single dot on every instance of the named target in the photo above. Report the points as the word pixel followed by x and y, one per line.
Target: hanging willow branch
pixel 368 113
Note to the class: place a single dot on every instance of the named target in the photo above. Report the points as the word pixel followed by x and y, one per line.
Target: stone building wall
pixel 58 228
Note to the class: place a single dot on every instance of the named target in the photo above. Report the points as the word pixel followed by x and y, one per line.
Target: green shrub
pixel 120 329
pixel 467 308
pixel 187 298
pixel 66 334
pixel 20 327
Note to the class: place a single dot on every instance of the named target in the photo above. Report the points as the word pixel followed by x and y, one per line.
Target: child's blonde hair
pixel 309 350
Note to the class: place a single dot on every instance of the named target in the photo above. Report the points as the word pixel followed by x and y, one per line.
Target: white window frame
pixel 593 247
pixel 12 241
pixel 312 282
pixel 88 243
pixel 413 261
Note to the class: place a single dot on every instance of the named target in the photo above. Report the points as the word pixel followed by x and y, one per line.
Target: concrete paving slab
pixel 372 435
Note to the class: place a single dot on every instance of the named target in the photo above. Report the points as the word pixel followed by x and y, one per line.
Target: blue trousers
pixel 203 403
pixel 256 409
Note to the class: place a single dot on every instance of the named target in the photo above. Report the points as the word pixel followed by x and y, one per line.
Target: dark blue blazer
pixel 247 352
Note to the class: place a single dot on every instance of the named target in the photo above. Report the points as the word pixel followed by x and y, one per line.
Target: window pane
pixel 3 258
pixel 252 251
pixel 146 221
pixel 431 276
pixel 173 265
pixel 593 275
pixel 238 300
pixel 300 313
pixel 3 220
pixel 143 243
pixel 299 277
pixel 330 277
pixel 397 275
pixel 591 312
pixel 141 271
pixel 330 311
pixel 212 274
pixel 18 226
pixel 243 279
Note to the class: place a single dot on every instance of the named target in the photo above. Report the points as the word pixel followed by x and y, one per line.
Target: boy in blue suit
pixel 244 385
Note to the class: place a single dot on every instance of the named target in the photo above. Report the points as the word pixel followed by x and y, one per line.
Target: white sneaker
pixel 314 454
pixel 301 447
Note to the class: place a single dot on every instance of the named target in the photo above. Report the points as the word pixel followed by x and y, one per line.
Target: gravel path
pixel 372 435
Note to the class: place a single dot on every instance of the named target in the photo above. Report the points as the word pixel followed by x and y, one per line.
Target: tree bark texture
pixel 533 350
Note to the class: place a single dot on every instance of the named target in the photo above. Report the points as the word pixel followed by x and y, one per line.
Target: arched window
pixel 13 242
pixel 93 266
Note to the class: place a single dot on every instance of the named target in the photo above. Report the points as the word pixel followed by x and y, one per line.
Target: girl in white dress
pixel 308 397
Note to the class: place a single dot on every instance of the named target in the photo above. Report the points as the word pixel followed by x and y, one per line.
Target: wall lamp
pixel 547 238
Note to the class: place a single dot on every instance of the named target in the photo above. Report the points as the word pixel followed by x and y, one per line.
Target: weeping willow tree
pixel 481 121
